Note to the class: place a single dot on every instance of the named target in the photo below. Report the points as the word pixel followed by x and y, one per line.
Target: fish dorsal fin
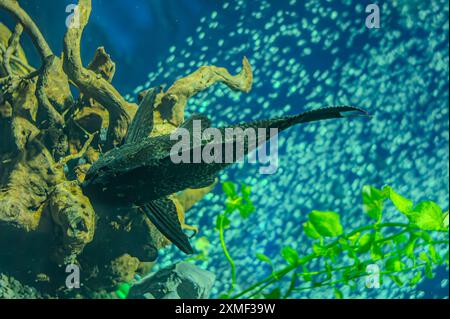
pixel 203 120
pixel 163 214
pixel 142 124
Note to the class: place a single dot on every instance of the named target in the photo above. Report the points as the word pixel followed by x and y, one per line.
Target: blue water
pixel 304 54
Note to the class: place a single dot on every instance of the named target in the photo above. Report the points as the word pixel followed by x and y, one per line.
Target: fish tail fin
pixel 324 113
pixel 327 113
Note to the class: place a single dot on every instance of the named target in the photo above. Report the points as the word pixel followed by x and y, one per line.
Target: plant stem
pixel 277 275
pixel 332 283
pixel 267 284
pixel 227 255
pixel 369 227
pixel 280 274
pixel 291 286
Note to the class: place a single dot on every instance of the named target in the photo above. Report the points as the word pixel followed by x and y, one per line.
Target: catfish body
pixel 144 170
pixel 142 173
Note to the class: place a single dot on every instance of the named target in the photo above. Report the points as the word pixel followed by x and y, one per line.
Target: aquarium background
pixel 305 54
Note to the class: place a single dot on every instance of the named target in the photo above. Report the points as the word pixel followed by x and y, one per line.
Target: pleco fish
pixel 142 173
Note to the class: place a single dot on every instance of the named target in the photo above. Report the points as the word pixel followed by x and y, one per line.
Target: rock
pixel 179 281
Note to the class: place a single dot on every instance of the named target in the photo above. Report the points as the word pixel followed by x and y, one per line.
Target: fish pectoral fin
pixel 163 214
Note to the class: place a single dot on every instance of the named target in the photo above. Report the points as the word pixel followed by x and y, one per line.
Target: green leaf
pixel 379 239
pixel 445 220
pixel 403 204
pixel 427 216
pixel 319 250
pixel 424 257
pixel 274 294
pixel 338 294
pixel 365 243
pixel 263 258
pixel 333 252
pixel 290 255
pixel 429 271
pixel 329 270
pixel 350 251
pixel 200 256
pixel 434 256
pixel 326 224
pixel 246 191
pixel 203 245
pixel 376 253
pixel 120 294
pixel 415 279
pixel 306 276
pixel 424 235
pixel 344 244
pixel 226 221
pixel 229 188
pixel 394 264
pixel 373 199
pixel 232 204
pixel 246 210
pixel 353 239
pixel 409 248
pixel 310 231
pixel 123 290
pixel 401 239
pixel 346 275
pixel 397 280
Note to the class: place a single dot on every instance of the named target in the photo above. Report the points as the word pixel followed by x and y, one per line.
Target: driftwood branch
pixel 102 64
pixel 171 104
pixel 13 8
pixel 12 47
pixel 17 60
pixel 91 84
pixel 53 117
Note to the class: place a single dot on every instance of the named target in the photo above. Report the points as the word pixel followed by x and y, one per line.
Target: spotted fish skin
pixel 143 171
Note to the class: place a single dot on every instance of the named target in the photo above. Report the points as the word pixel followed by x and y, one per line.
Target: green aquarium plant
pixel 238 200
pixel 404 250
pixel 123 290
